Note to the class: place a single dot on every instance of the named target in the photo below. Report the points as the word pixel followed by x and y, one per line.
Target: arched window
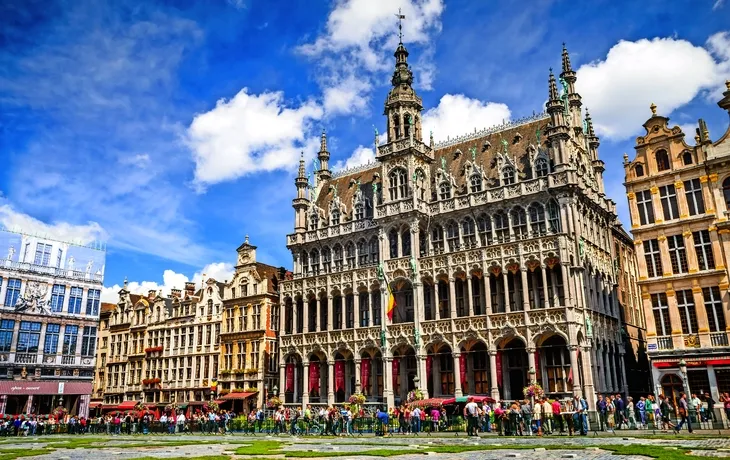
pixel 662 160
pixel 393 243
pixel 452 235
pixel 407 125
pixel 398 187
pixel 420 184
pixel 374 250
pixel 537 219
pixel 313 220
pixel 405 238
pixel 315 261
pixel 726 192
pixel 363 252
pixel 437 239
pixel 484 223
pixel 422 242
pixel 541 167
pixel 445 190
pixel 553 217
pixel 508 175
pixel 519 222
pixel 396 126
pixel 350 254
pixel 687 158
pixel 337 256
pixel 476 183
pixel 501 226
pixel 335 217
pixel 359 211
pixel 639 170
pixel 468 230
pixel 305 264
pixel 326 259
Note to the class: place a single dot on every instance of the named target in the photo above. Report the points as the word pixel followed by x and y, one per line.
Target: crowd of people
pixel 535 416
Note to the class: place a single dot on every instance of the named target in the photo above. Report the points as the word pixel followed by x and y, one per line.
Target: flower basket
pixel 211 406
pixel 251 390
pixel 238 371
pixel 225 372
pixel 223 392
pixel 59 413
pixel 238 390
pixel 534 390
pixel 251 370
pixel 172 407
pixel 153 349
pixel 141 407
pixel 357 398
pixel 414 395
pixel 274 402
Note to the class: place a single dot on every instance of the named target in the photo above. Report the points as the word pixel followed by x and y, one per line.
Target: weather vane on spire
pixel 400 17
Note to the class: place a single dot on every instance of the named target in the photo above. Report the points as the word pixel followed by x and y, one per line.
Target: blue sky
pixel 172 129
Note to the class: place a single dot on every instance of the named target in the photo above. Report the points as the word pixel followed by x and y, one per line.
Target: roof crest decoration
pixel 490 130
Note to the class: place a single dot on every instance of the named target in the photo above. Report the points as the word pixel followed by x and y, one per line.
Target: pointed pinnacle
pixel 566 60
pixel 553 88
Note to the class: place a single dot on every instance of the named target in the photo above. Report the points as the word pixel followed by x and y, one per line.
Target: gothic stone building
pixel 496 246
pixel 679 197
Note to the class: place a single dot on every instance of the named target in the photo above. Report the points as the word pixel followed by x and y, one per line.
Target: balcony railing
pixel 26 358
pixel 718 339
pixel 664 343
pixel 53 271
pixel 69 359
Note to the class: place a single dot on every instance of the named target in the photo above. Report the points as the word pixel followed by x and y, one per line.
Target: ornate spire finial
pixel 566 60
pixel 653 108
pixel 126 283
pixel 553 87
pixel 400 17
pixel 589 124
pixel 302 167
pixel 245 241
pixel 323 141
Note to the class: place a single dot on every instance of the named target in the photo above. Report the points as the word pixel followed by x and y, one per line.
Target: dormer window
pixel 445 190
pixel 396 126
pixel 476 183
pixel 313 221
pixel 359 211
pixel 639 170
pixel 508 175
pixel 335 217
pixel 662 160
pixel 541 167
pixel 407 125
pixel 687 158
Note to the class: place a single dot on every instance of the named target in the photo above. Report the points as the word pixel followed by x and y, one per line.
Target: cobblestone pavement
pixel 532 447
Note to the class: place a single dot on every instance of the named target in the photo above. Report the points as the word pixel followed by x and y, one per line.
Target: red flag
pixel 396 369
pixel 429 364
pixel 570 375
pixel 339 375
pixel 462 373
pixel 289 377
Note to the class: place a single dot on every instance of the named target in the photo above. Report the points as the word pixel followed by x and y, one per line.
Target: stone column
pixel 487 293
pixel 531 364
pixel 622 366
pixel 356 308
pixel 388 383
pixel 614 377
pixel 599 369
pixel 437 301
pixel 330 383
pixel 574 350
pixel 282 381
pixel 305 310
pixel 525 291
pixel 330 313
pixel 305 385
pixel 358 384
pixel 294 323
pixel 457 376
pixel 589 390
pixel 543 271
pixel 674 320
pixel 469 296
pixel 452 297
pixel 493 374
pixel 422 375
pixel 505 283
pixel 703 324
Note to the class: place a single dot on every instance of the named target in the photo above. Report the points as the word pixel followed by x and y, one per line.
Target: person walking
pixel 536 417
pixel 526 413
pixel 683 414
pixel 602 412
pixel 547 416
pixel 710 407
pixel 641 406
pixel 631 411
pixel 665 410
pixel 471 412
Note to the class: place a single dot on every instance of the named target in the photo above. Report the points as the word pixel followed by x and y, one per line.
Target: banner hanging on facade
pixel 396 371
pixel 289 377
pixel 429 365
pixel 462 373
pixel 365 375
pixel 499 368
pixel 339 376
pixel 537 366
pixel 314 377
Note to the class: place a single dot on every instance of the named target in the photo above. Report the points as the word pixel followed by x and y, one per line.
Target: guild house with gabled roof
pixel 496 247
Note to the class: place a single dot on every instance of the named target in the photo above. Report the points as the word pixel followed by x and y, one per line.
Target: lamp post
pixel 683 371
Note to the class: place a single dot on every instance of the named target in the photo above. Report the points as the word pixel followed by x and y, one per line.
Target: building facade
pixel 249 368
pixel 164 349
pixel 633 322
pixel 678 197
pixel 497 249
pixel 102 351
pixel 49 313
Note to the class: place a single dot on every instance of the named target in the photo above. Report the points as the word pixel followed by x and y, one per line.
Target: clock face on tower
pixel 243 258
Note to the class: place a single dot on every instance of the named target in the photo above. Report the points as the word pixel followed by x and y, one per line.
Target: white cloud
pixel 666 71
pixel 81 234
pixel 219 271
pixel 347 96
pixel 361 156
pixel 457 114
pixel 718 4
pixel 250 133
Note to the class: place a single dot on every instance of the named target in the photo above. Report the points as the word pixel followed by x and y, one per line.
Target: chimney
pixel 176 293
pixel 189 289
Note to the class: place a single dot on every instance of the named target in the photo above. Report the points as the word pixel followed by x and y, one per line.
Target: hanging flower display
pixel 172 407
pixel 356 401
pixel 59 413
pixel 211 406
pixel 141 407
pixel 414 395
pixel 533 390
pixel 274 402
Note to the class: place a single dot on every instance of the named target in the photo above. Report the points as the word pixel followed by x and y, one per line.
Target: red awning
pixel 94 404
pixel 219 401
pixel 15 387
pixel 431 402
pixel 239 395
pixel 692 363
pixel 127 405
